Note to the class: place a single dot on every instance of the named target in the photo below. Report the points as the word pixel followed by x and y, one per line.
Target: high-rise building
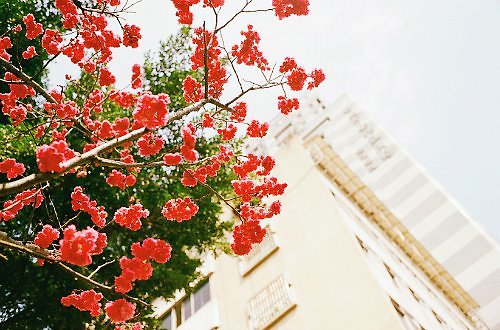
pixel 366 240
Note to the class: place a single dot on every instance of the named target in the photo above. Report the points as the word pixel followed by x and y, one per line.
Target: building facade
pixel 366 240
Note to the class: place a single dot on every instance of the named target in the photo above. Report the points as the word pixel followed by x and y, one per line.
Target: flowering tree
pixel 74 135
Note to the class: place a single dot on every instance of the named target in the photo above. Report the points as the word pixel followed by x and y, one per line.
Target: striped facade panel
pixel 431 216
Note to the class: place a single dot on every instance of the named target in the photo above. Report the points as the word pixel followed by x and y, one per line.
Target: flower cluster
pixel 138 268
pixel 286 8
pixel 205 40
pixel 50 157
pixel 12 168
pixel 30 52
pixel 132 270
pixel 152 248
pixel 77 247
pixel 247 189
pixel 85 301
pixel 130 217
pixel 248 52
pixel 120 180
pixel 131 35
pixel 150 145
pixel 17 112
pixel 245 235
pixel 179 209
pixel 192 90
pixel 33 29
pixel 136 80
pixel 12 207
pixel 261 165
pixel 81 202
pixel 106 78
pixel 188 151
pixel 120 310
pixel 256 129
pixel 287 105
pixel 151 110
pixel 46 236
pixel 296 76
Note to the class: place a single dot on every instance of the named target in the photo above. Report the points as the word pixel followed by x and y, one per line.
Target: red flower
pixel 130 217
pixel 80 201
pixel 296 79
pixel 192 90
pixel 120 180
pixel 172 159
pixel 287 105
pixel 151 110
pixel 29 53
pixel 85 301
pixel 12 168
pixel 256 129
pixel 248 52
pixel 46 236
pixel 152 248
pixel 50 157
pixel 132 270
pixel 317 78
pixel 240 112
pixel 136 76
pixel 51 40
pixel 150 145
pixel 131 35
pixel 106 78
pixel 286 8
pixel 33 29
pixel 77 247
pixel 245 235
pixel 179 209
pixel 228 133
pixel 120 310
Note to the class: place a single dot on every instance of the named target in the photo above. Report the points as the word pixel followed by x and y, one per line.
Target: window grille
pixel 258 253
pixel 270 304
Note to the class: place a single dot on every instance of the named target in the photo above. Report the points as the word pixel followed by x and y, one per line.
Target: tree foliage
pixel 112 189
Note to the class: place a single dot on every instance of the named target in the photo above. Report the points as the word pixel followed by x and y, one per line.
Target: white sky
pixel 428 71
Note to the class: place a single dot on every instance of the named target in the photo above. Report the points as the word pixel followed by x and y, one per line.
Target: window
pixel 259 253
pixel 167 322
pixel 270 304
pixel 186 308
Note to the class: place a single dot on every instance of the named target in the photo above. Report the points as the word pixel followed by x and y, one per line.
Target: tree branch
pixel 85 158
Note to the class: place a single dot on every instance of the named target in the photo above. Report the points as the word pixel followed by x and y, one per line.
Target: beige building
pixel 366 240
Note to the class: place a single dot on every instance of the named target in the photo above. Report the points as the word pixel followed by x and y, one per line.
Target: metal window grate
pixel 270 303
pixel 258 253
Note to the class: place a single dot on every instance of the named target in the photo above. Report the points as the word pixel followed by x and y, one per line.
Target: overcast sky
pixel 428 71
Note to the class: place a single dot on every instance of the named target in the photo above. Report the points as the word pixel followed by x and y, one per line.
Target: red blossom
pixel 152 248
pixel 317 78
pixel 287 105
pixel 248 52
pixel 245 235
pixel 13 206
pixel 130 217
pixel 151 110
pixel 172 159
pixel 106 78
pixel 150 145
pixel 131 35
pixel 228 133
pixel 239 112
pixel 77 247
pixel 12 168
pixel 33 29
pixel 50 157
pixel 29 53
pixel 81 202
pixel 51 40
pixel 256 129
pixel 192 90
pixel 46 236
pixel 286 8
pixel 179 209
pixel 120 310
pixel 136 80
pixel 120 180
pixel 85 301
